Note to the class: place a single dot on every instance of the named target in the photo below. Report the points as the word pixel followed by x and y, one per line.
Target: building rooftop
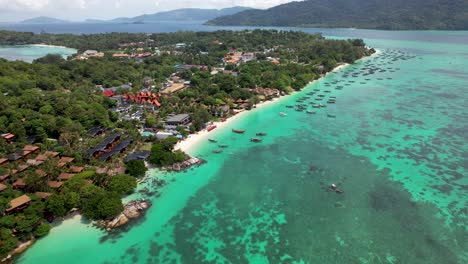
pixel 54 184
pixel 43 195
pixel 142 155
pixel 3 187
pixel 19 201
pixel 30 148
pixel 65 176
pixel 177 118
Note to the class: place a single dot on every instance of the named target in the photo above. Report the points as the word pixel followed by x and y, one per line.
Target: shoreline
pixel 187 145
pixel 47 46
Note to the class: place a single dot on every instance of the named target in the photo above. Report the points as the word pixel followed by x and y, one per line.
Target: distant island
pixel 367 14
pixel 44 20
pixel 185 14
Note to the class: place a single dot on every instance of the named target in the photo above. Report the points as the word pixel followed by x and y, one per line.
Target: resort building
pixel 177 120
pixel 142 155
pixel 18 203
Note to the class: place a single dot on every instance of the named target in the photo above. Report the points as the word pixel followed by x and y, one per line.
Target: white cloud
pixel 14 10
pixel 23 4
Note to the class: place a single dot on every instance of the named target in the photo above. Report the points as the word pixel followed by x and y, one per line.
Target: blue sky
pixel 16 10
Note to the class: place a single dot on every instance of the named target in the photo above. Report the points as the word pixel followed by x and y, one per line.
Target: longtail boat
pixel 239 131
pixel 212 140
pixel 256 139
pixel 261 134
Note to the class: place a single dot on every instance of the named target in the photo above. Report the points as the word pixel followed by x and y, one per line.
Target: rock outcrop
pixel 132 210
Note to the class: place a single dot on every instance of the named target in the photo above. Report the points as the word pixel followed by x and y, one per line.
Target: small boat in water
pixel 290 106
pixel 238 131
pixel 212 140
pixel 217 151
pixel 223 146
pixel 311 112
pixel 256 139
pixel 331 115
pixel 283 114
pixel 261 134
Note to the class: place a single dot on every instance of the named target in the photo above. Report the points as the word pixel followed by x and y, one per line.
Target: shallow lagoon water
pixel 28 53
pixel 395 142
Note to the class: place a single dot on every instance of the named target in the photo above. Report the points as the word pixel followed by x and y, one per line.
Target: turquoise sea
pixel 28 53
pixel 396 143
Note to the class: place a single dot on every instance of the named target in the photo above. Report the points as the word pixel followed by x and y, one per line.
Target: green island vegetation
pixel 374 14
pixel 76 133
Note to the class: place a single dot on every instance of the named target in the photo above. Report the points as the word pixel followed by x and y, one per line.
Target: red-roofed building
pixel 108 93
pixel 8 137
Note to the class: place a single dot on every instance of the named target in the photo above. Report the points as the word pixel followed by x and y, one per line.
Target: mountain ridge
pixel 183 14
pixel 366 14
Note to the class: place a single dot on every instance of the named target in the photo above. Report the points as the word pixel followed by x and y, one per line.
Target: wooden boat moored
pixel 261 134
pixel 212 140
pixel 256 139
pixel 238 131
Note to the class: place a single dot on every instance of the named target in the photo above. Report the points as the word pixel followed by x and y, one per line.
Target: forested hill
pixel 369 14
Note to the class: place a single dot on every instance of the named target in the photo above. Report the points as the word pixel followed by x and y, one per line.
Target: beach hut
pixel 18 204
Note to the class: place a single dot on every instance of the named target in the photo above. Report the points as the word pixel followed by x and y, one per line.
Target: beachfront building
pixel 177 120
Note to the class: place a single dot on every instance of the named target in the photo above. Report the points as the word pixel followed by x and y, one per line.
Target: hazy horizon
pixel 79 10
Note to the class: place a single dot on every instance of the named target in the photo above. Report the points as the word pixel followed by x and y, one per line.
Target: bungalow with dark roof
pixel 65 176
pixel 54 184
pixel 119 148
pixel 14 157
pixel 18 203
pixel 177 120
pixel 106 144
pixel 95 131
pixel 142 155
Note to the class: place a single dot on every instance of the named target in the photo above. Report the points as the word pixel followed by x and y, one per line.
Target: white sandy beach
pixel 48 46
pixel 187 145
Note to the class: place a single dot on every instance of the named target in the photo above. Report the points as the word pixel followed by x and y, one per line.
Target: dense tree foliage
pixel 136 168
pixel 372 14
pixel 162 153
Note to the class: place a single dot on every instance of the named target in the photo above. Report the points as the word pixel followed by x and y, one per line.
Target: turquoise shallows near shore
pixel 395 142
pixel 28 53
